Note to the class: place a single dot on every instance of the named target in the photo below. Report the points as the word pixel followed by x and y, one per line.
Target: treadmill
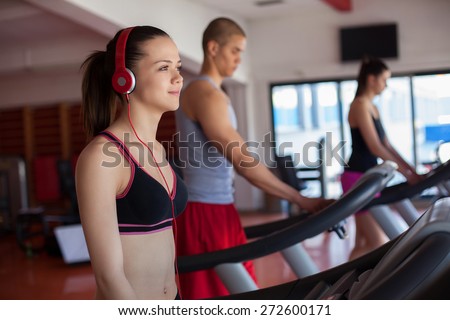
pixel 228 262
pixel 415 265
pixel 399 196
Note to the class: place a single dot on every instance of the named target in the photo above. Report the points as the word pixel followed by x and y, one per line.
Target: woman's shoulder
pixel 361 105
pixel 360 110
pixel 97 151
pixel 94 146
pixel 361 102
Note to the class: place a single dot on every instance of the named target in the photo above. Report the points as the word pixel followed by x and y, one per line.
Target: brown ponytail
pixel 98 98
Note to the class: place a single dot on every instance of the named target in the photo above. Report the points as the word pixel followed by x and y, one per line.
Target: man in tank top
pixel 211 150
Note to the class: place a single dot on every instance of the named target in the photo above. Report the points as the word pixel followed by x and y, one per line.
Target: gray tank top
pixel 207 173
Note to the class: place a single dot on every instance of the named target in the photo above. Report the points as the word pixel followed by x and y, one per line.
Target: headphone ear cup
pixel 123 81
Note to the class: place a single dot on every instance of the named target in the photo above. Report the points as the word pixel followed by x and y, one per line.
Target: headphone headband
pixel 123 80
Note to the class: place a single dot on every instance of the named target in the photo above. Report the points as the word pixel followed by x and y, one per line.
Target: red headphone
pixel 123 80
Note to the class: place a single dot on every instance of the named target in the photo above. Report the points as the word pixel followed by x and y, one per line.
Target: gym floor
pixel 43 276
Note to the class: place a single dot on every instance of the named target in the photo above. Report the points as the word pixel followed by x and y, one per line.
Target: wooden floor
pixel 43 276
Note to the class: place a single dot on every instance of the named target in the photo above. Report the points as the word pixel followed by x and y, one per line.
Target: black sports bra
pixel 145 206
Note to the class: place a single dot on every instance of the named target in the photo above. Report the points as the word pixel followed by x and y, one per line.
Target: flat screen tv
pixel 378 40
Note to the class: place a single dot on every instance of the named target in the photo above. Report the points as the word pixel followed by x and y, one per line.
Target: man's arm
pixel 210 109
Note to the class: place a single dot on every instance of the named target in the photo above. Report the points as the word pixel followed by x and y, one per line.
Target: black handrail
pixel 368 186
pixel 404 190
pixel 265 229
pixel 415 265
pixel 389 195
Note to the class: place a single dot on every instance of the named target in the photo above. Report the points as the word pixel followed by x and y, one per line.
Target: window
pixel 432 110
pixel 304 114
pixel 415 110
pixel 394 105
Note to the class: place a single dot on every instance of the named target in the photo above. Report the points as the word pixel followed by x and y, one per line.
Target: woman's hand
pixel 413 177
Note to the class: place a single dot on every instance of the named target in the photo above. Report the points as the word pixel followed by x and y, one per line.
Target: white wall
pixel 305 46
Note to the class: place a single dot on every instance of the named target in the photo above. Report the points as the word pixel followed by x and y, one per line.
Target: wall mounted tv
pixel 378 40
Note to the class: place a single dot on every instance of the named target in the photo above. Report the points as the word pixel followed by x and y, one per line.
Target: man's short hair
pixel 220 30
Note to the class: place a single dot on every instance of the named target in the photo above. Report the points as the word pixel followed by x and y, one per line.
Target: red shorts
pixel 204 227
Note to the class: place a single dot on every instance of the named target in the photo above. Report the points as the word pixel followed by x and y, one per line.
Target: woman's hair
pixel 98 96
pixel 220 30
pixel 369 66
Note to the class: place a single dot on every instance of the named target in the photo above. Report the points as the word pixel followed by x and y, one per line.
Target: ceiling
pixel 28 32
pixel 257 9
pixel 24 25
pixel 22 22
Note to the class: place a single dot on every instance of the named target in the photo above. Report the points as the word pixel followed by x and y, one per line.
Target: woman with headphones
pixel 128 194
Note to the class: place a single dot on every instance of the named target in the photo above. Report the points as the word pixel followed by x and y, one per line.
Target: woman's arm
pixel 407 170
pixel 97 185
pixel 362 118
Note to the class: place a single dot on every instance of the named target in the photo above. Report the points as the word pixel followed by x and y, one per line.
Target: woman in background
pixel 369 142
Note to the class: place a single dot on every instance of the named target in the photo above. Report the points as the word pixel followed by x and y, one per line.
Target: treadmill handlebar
pixel 265 229
pixel 356 198
pixel 404 190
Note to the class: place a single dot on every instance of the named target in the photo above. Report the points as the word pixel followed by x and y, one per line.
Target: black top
pixel 361 158
pixel 145 206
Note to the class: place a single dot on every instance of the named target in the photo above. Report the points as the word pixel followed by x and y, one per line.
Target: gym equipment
pixel 228 262
pixel 415 265
pixel 399 197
